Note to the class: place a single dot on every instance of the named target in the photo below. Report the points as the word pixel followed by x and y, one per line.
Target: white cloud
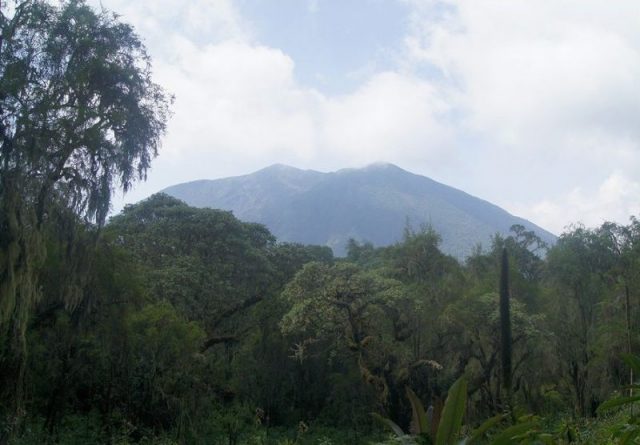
pixel 235 96
pixel 614 200
pixel 545 69
pixel 198 20
pixel 550 88
pixel 391 117
pixel 244 99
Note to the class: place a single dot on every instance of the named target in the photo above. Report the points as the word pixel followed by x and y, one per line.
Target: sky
pixel 531 105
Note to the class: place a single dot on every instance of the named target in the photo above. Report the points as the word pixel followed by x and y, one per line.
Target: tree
pixel 207 263
pixel 578 268
pixel 506 345
pixel 79 117
pixel 338 302
pixel 623 247
pixel 526 265
pixel 472 327
pixel 360 316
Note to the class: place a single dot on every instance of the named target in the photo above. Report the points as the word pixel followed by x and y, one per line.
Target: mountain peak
pixel 278 168
pixel 376 166
pixel 382 166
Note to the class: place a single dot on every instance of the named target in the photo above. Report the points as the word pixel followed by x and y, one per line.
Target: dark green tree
pixel 623 247
pixel 578 272
pixel 207 263
pixel 79 117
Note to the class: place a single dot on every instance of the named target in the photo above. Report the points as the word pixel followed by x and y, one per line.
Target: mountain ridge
pixel 372 204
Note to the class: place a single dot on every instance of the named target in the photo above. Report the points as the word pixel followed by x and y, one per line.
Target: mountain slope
pixel 372 204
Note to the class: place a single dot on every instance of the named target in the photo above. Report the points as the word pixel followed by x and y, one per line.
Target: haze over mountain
pixel 373 204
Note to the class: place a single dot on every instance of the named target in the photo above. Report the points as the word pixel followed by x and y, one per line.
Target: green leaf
pixel 609 404
pixel 546 438
pixel 630 436
pixel 390 424
pixel 486 426
pixel 633 361
pixel 451 420
pixel 419 419
pixel 506 437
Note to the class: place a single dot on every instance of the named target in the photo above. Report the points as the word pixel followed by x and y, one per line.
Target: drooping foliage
pixel 79 117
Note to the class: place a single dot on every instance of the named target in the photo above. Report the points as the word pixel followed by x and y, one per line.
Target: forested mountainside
pixel 185 324
pixel 370 204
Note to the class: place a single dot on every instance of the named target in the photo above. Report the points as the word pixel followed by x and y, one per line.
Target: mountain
pixel 369 204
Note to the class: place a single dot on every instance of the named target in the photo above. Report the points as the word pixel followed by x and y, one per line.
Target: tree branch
pixel 237 308
pixel 216 340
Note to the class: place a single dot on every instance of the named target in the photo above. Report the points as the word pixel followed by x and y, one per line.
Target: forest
pixel 169 324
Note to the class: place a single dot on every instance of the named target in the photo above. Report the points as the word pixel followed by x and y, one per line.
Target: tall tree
pixel 623 247
pixel 79 116
pixel 578 267
pixel 341 306
pixel 505 324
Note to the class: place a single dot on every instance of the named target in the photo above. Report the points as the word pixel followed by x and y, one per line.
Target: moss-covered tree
pixel 79 116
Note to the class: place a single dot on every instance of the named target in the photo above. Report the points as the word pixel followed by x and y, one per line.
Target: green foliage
pixel 583 315
pixel 451 420
pixel 450 426
pixel 419 421
pixel 203 261
pixel 342 339
pixel 473 326
pixel 626 431
pixel 344 310
pixel 336 298
pixel 478 434
pixel 79 117
pixel 163 346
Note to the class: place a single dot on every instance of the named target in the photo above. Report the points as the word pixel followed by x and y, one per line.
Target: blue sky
pixel 532 105
pixel 337 44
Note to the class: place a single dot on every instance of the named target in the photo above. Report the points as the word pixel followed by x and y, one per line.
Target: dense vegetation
pixel 190 325
pixel 172 324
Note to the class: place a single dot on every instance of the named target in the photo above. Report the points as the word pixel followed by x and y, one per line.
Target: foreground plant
pixel 447 430
pixel 628 431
